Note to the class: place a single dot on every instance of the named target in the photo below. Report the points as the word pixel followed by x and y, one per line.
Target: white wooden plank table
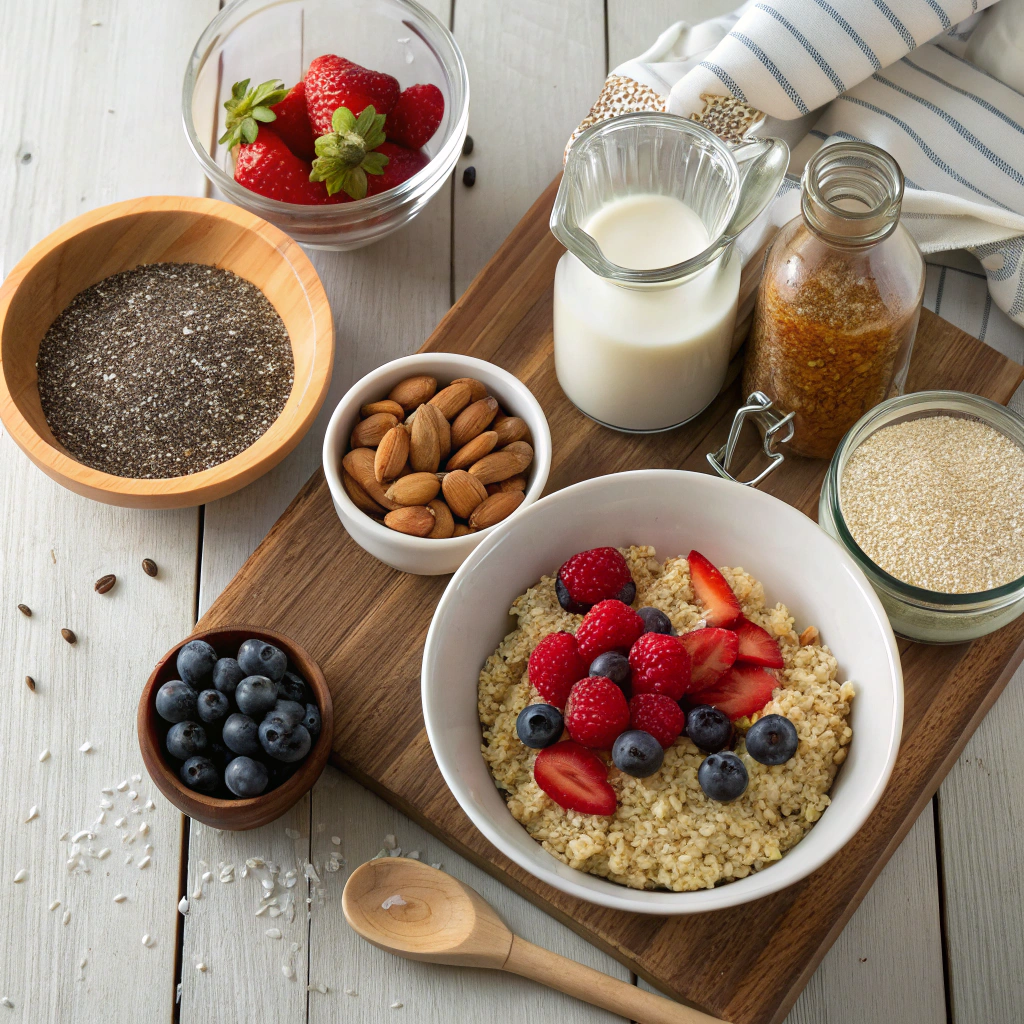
pixel 91 116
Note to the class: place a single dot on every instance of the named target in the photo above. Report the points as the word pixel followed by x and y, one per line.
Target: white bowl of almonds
pixel 428 453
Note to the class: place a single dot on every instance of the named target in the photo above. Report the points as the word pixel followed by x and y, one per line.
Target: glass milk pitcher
pixel 645 298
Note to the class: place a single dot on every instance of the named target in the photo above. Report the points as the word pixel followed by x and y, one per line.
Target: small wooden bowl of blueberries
pixel 235 725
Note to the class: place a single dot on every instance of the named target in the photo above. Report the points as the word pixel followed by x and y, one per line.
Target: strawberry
pixel 712 653
pixel 415 116
pixel 247 108
pixel 346 155
pixel 554 666
pixel 657 714
pixel 269 167
pixel 292 122
pixel 757 646
pixel 402 164
pixel 608 626
pixel 333 82
pixel 741 692
pixel 599 574
pixel 575 778
pixel 596 712
pixel 660 664
pixel 720 605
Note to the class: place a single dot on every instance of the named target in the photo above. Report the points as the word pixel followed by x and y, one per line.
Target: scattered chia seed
pixel 164 370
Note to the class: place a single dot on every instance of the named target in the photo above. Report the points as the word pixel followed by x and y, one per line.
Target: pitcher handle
pixel 762 164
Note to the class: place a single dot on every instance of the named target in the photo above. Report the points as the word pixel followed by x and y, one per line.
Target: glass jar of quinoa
pixel 838 305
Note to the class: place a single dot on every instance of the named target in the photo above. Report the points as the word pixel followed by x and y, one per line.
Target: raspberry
pixel 657 714
pixel 660 664
pixel 596 712
pixel 600 574
pixel 608 626
pixel 554 665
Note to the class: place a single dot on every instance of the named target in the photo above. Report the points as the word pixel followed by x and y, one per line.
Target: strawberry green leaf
pixel 249 130
pixel 249 106
pixel 343 120
pixel 345 155
pixel 374 163
pixel 264 114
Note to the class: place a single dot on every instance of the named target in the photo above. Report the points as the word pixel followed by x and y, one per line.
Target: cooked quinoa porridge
pixel 665 833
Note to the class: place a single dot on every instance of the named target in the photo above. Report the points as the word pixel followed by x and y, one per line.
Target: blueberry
pixel 613 666
pixel 195 663
pixel 219 755
pixel 278 773
pixel 245 777
pixel 256 695
pixel 176 701
pixel 185 740
pixel 213 705
pixel 723 777
pixel 539 725
pixel 637 753
pixel 627 595
pixel 288 712
pixel 312 722
pixel 566 601
pixel 772 740
pixel 708 728
pixel 241 735
pixel 227 674
pixel 291 687
pixel 258 658
pixel 200 773
pixel 283 743
pixel 656 621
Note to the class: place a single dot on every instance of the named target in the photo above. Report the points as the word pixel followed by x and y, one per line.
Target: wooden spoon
pixel 416 911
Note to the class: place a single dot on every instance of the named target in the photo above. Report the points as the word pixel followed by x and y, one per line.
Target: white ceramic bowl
pixel 675 511
pixel 416 554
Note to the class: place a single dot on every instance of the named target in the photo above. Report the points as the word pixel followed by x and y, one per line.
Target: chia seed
pixel 164 371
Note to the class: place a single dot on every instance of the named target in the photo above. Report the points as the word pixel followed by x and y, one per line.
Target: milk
pixel 647 357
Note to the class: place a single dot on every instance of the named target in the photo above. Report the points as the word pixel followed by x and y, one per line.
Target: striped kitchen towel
pixel 901 74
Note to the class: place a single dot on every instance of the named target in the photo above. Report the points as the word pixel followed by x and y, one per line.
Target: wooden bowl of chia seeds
pixel 163 352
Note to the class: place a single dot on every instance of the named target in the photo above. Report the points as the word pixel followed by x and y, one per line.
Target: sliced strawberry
pixel 575 778
pixel 720 605
pixel 292 122
pixel 757 646
pixel 712 653
pixel 743 690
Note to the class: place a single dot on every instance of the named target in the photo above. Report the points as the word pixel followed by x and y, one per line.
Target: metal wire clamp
pixel 770 422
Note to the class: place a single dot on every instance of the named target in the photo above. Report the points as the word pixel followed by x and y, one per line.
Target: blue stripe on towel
pixel 993 158
pixel 995 111
pixel 939 13
pixel 773 70
pixel 1010 249
pixel 925 148
pixel 850 31
pixel 826 69
pixel 725 78
pixel 897 24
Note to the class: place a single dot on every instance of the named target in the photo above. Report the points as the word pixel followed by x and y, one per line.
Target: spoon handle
pixel 592 986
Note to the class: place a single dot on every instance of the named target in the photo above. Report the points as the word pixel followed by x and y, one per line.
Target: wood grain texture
pixel 505 317
pixel 79 66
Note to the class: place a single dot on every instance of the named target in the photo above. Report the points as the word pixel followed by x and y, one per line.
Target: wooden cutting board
pixel 366 623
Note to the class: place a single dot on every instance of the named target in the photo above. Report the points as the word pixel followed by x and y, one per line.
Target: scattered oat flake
pixel 122 786
pixel 396 1005
pixel 147 939
pixel 150 806
pixel 273 933
pixel 120 898
pixel 292 833
pixel 120 822
pixel 85 747
pixel 21 875
pixel 55 904
pixel 136 778
pixel 63 837
pixel 437 866
pixel 201 966
pixel 321 988
pixel 7 1002
pixel 33 812
pixel 390 842
pixel 132 795
pixel 288 971
pixel 67 916
pixel 207 876
pixel 183 905
pixel 263 910
pixel 144 828
pixel 104 853
pixel 145 861
pixel 351 992
pixel 413 855
pixel 393 901
pixel 336 840
pixel 44 755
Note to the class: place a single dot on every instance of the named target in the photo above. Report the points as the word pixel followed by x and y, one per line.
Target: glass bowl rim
pixel 986 411
pixel 359 210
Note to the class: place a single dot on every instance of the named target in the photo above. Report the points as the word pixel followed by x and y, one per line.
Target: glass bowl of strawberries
pixel 336 120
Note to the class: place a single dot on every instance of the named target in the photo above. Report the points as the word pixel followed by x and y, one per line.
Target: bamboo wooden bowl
pixel 233 815
pixel 156 229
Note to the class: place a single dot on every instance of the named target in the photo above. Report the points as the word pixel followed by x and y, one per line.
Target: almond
pixel 444 524
pixel 495 508
pixel 444 430
pixel 359 497
pixel 510 461
pixel 424 444
pixel 392 453
pixel 510 429
pixel 452 400
pixel 386 405
pixel 462 530
pixel 368 432
pixel 472 421
pixel 359 463
pixel 413 391
pixel 474 451
pixel 476 389
pixel 513 483
pixel 462 492
pixel 415 520
pixel 414 489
